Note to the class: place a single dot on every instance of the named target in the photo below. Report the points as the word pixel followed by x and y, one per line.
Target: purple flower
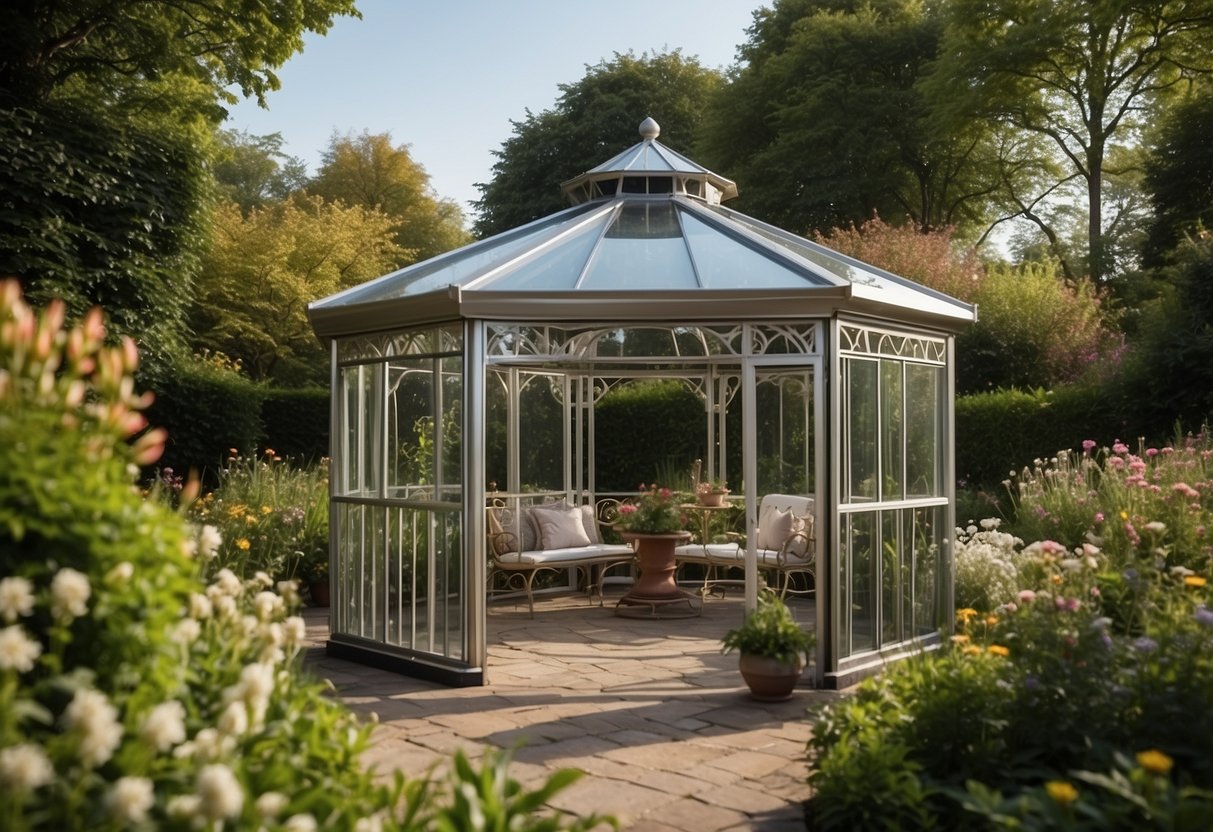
pixel 1145 644
pixel 1204 615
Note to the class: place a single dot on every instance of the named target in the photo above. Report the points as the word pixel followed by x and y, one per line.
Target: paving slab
pixel 650 710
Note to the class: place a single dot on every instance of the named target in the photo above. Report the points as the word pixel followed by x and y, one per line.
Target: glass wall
pixel 398 564
pixel 890 583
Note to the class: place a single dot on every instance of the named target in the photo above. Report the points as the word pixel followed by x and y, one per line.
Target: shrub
pixel 132 693
pixel 986 575
pixel 295 423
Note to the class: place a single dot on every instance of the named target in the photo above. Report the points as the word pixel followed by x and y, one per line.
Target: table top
pixel 702 507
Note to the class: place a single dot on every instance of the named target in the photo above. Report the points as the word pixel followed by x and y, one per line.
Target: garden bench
pixel 526 540
pixel 785 545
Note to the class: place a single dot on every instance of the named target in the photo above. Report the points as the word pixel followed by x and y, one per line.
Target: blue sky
pixel 446 78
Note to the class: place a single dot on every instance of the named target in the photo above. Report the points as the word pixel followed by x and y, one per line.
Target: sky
pixel 446 78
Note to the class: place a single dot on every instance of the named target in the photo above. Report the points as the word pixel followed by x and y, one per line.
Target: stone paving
pixel 651 710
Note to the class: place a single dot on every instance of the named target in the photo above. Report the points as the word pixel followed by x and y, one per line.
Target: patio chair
pixel 786 538
pixel 527 540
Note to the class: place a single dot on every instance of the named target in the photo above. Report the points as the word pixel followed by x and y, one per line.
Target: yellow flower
pixel 1061 791
pixel 991 620
pixel 960 638
pixel 999 650
pixel 965 614
pixel 971 650
pixel 1155 762
pixel 242 544
pixel 266 509
pixel 250 520
pixel 1124 515
pixel 1055 578
pixel 1194 580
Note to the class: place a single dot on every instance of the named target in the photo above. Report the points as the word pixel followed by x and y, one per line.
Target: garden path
pixel 655 715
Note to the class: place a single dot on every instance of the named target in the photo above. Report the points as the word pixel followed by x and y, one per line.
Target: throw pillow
pixel 560 527
pixel 590 521
pixel 775 527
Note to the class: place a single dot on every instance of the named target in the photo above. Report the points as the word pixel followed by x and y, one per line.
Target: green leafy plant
pixel 771 631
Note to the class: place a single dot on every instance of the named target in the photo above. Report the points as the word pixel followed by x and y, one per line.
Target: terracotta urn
pixel 770 680
pixel 712 498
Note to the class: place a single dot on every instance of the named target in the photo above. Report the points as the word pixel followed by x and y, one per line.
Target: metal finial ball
pixel 649 129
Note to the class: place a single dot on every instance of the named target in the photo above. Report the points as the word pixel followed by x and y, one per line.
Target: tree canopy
pixel 593 119
pixel 370 171
pixel 1084 76
pixel 253 170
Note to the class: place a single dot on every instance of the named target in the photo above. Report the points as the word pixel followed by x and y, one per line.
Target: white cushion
pixel 560 526
pixel 592 552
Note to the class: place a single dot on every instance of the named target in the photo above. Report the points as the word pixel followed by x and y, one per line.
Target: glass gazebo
pixel 482 373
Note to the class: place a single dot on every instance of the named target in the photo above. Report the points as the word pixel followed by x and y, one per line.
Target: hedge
pixel 295 423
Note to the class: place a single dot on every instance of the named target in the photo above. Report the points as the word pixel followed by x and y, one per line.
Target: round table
pixel 655 590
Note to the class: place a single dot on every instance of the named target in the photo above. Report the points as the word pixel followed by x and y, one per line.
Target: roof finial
pixel 649 129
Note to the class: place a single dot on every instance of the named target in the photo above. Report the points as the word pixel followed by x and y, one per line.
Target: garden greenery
pixel 1083 702
pixel 143 684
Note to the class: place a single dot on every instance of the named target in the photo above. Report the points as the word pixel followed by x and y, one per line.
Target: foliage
pixel 591 120
pixel 263 269
pixel 98 211
pixel 134 693
pixel 1083 702
pixel 1179 177
pixel 253 171
pixel 986 575
pixel 644 425
pixel 296 423
pixel 770 631
pixel 106 45
pixel 208 407
pixel 273 517
pixel 369 171
pixel 1034 329
pixel 654 511
pixel 1082 76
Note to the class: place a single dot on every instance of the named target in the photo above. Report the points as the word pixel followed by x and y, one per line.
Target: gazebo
pixel 478 373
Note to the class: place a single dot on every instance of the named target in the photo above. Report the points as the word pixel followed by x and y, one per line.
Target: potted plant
pixel 653 522
pixel 711 493
pixel 314 574
pixel 773 649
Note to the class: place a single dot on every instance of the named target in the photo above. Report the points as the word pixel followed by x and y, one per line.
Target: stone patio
pixel 656 716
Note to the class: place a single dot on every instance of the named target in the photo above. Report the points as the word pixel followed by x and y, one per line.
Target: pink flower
pixel 1119 447
pixel 1026 596
pixel 1088 445
pixel 1151 451
pixel 1099 518
pixel 627 508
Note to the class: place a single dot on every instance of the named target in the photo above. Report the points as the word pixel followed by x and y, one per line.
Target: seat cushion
pixel 542 557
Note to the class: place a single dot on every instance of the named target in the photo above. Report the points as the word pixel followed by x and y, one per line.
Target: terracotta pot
pixel 707 498
pixel 655 555
pixel 319 590
pixel 770 680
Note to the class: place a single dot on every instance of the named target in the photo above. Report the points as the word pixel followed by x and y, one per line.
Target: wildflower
pixel 964 615
pixel 1119 447
pixel 25 767
pixel 243 544
pixel 17 650
pixel 1154 761
pixel 1124 515
pixel 1061 791
pixel 300 823
pixel 69 593
pixel 266 604
pixel 1088 445
pixel 960 638
pixel 1026 596
pixel 16 598
pixel 187 631
pixel 271 804
pixel 184 807
pixel 1195 581
pixel 998 650
pixel 234 719
pixel 991 620
pixel 1099 517
pixel 971 650
pixel 164 725
pixel 219 792
pixel 1145 644
pixel 209 541
pixel 1155 527
pixel 96 721
pixel 294 630
pixel 991 523
pixel 129 799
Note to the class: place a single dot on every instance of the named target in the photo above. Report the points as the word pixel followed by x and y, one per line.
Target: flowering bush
pixel 133 693
pixel 1085 701
pixel 985 558
pixel 654 511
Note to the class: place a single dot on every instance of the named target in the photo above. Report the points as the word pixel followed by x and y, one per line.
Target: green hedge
pixel 1005 430
pixel 646 432
pixel 295 423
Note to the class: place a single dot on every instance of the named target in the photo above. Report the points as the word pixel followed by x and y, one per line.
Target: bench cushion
pixel 730 554
pixel 571 555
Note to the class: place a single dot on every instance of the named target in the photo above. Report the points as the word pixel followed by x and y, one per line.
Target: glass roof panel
pixel 643 249
pixel 558 267
pixel 726 263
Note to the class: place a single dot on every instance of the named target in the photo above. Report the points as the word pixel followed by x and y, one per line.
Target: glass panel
pixel 861 455
pixel 349 535
pixel 448 583
pixel 725 263
pixel 892 434
pixel 410 439
pixel 908 523
pixel 361 465
pixel 784 417
pixel 923 440
pixel 496 427
pixel 863 551
pixel 399 604
pixel 541 440
pixel 452 428
pixel 558 267
pixel 643 249
pixel 928 524
pixel 890 578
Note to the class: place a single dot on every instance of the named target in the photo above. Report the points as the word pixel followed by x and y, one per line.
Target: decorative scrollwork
pixel 784 339
pixel 435 341
pixel 869 341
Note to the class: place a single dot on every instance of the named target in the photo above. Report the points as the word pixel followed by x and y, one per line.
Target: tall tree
pixel 1179 177
pixel 824 123
pixel 368 170
pixel 264 268
pixel 253 170
pixel 1083 75
pixel 592 120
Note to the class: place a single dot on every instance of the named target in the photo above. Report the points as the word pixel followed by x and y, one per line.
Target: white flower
pixel 120 574
pixel 225 607
pixel 373 823
pixel 289 590
pixel 208 744
pixel 225 583
pixel 209 541
pixel 271 804
pixel 69 593
pixel 17 650
pixel 200 606
pixel 219 792
pixel 1155 526
pixel 16 598
pixel 189 548
pixel 96 720
pixel 187 631
pixel 266 604
pixel 25 767
pixel 294 630
pixel 129 799
pixel 164 725
pixel 991 523
pixel 300 823
pixel 234 719
pixel 184 806
pixel 262 579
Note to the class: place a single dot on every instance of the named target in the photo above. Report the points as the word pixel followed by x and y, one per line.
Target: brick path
pixel 655 715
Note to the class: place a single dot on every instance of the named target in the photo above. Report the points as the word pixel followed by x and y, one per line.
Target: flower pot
pixel 709 498
pixel 770 680
pixel 655 555
pixel 319 590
